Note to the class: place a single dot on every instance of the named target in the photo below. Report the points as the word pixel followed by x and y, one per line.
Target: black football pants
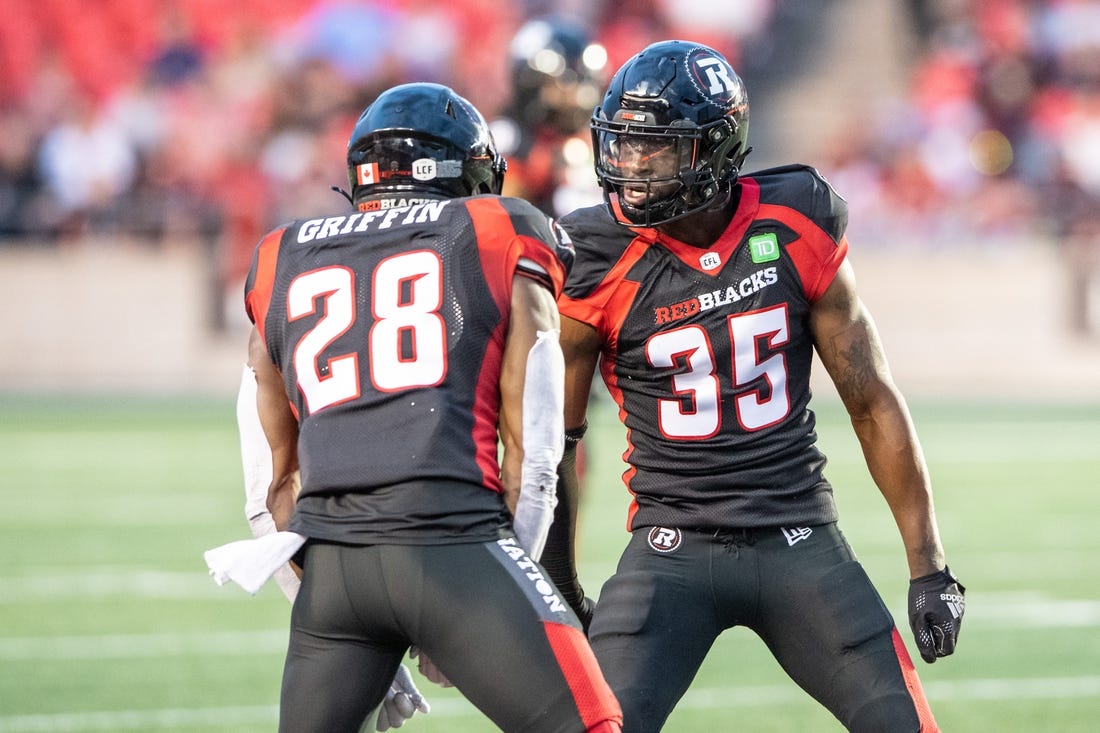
pixel 802 592
pixel 482 612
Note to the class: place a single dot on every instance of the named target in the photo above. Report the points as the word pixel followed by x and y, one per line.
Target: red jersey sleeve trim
pixel 494 231
pixel 542 254
pixel 606 308
pixel 816 256
pixel 258 299
pixel 580 310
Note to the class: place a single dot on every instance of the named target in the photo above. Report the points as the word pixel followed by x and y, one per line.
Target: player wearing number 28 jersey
pixel 408 331
pixel 395 347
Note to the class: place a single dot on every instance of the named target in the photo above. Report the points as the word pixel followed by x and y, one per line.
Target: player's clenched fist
pixel 936 606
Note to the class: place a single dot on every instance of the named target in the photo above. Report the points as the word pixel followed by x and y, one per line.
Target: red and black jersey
pixel 388 327
pixel 708 353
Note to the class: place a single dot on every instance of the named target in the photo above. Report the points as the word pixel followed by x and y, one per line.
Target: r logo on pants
pixel 664 539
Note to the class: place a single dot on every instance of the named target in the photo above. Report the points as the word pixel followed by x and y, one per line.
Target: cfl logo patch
pixel 954 602
pixel 664 539
pixel 424 169
pixel 710 261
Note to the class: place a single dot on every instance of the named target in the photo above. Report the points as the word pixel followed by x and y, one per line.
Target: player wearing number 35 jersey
pixel 708 352
pixel 702 294
pixel 394 346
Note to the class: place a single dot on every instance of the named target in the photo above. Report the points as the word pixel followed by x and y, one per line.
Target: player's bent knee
pixel 640 716
pixel 894 713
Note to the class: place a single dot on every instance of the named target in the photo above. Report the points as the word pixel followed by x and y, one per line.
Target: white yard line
pixel 701 699
pixel 992 612
pixel 126 646
pixel 140 719
pixel 111 583
pixel 1037 688
pixel 987 610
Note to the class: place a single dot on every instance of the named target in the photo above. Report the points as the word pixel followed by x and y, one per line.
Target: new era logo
pixel 796 534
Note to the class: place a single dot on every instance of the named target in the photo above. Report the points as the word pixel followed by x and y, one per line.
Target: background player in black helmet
pixel 703 294
pixel 392 346
pixel 557 77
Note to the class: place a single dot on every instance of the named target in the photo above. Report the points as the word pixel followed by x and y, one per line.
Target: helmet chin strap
pixel 721 201
pixel 343 193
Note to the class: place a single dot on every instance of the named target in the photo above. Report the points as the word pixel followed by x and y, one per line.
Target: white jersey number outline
pixel 700 387
pixel 406 347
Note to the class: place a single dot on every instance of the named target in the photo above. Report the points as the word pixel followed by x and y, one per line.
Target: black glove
pixel 936 606
pixel 559 556
pixel 584 611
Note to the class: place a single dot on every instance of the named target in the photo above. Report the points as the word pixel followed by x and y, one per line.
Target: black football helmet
pixel 422 138
pixel 557 74
pixel 683 102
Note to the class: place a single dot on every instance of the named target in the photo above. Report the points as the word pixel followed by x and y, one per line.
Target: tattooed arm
pixel 849 347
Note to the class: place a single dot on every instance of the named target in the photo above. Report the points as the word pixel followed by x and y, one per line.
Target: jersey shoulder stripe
pixel 600 243
pixel 802 188
pixel 261 277
pixel 509 230
pixel 802 201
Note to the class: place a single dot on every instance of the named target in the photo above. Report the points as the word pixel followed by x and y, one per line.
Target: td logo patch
pixel 764 248
pixel 664 539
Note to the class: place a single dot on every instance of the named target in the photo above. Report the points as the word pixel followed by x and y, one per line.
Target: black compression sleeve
pixel 559 558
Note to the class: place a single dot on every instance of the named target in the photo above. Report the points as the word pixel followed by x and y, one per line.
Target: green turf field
pixel 110 622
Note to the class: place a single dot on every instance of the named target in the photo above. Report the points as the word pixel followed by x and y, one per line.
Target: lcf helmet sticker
pixel 665 539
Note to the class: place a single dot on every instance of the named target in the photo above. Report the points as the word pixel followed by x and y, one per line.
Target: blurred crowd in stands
pixel 998 136
pixel 151 118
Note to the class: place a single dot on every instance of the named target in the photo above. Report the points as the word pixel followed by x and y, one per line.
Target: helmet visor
pixel 644 168
pixel 640 157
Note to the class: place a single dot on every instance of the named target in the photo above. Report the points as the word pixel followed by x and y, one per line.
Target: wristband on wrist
pixel 574 435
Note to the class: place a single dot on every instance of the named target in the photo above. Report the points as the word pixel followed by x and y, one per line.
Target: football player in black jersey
pixel 393 346
pixel 701 294
pixel 557 77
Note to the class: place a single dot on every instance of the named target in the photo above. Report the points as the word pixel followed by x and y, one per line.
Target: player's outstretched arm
pixel 580 347
pixel 256 462
pixel 849 346
pixel 281 429
pixel 531 431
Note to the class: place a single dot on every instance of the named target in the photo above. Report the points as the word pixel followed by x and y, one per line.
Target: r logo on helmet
pixel 713 77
